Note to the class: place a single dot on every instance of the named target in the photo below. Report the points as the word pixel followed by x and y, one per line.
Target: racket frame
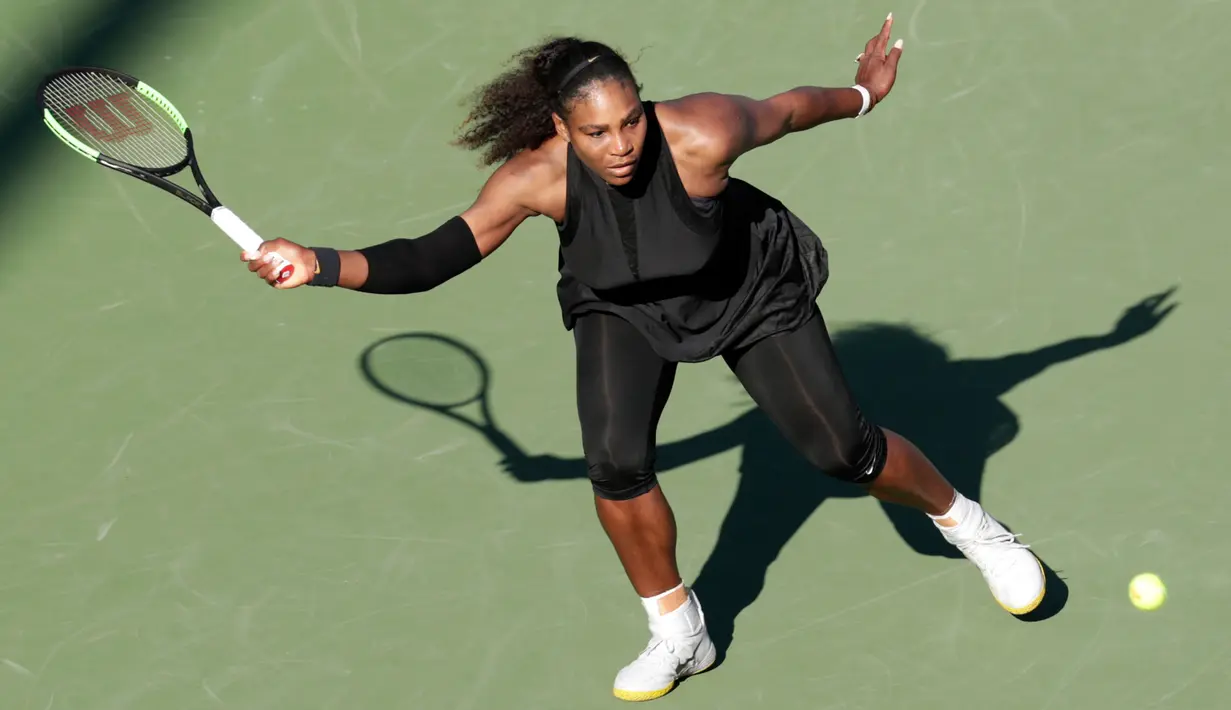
pixel 209 204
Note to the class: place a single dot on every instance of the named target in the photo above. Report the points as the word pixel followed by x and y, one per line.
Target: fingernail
pixel 889 17
pixel 898 44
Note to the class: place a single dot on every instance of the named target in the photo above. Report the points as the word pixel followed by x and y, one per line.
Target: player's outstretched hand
pixel 262 264
pixel 877 68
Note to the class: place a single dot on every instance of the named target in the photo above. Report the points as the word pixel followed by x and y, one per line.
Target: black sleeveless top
pixel 697 276
pixel 648 229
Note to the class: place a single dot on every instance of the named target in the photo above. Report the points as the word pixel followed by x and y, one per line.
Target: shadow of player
pixel 905 381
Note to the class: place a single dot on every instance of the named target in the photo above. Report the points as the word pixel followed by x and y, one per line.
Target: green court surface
pixel 206 504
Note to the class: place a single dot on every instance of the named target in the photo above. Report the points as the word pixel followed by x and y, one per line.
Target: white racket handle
pixel 247 239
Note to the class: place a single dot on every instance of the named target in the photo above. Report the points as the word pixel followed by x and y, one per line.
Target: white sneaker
pixel 1011 570
pixel 679 647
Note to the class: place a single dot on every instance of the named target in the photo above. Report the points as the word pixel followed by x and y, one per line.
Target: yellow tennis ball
pixel 1147 591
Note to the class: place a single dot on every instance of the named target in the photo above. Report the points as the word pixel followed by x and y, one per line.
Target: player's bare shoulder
pixel 698 129
pixel 538 177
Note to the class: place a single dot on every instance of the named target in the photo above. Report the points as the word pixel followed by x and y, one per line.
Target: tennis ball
pixel 1147 591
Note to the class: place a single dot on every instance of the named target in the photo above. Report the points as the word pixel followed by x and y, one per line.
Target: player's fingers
pixel 254 259
pixel 263 259
pixel 895 54
pixel 882 39
pixel 268 248
pixel 265 266
pixel 877 42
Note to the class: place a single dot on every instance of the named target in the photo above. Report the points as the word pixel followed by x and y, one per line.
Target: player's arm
pixel 420 264
pixel 743 124
pixel 414 265
pixel 738 124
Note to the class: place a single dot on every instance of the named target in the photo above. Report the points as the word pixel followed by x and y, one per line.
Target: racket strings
pixel 114 119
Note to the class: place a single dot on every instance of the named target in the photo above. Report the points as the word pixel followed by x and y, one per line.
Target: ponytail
pixel 513 112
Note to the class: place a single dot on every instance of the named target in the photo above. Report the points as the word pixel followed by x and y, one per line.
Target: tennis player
pixel 664 258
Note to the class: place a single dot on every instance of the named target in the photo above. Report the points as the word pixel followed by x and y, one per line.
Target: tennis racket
pixel 439 374
pixel 122 123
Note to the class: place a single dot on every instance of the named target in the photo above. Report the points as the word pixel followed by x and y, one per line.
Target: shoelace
pixel 668 658
pixel 986 536
pixel 1004 538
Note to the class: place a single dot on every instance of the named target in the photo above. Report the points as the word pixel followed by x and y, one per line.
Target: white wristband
pixel 867 99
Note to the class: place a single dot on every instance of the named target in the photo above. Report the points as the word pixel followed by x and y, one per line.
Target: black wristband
pixel 328 267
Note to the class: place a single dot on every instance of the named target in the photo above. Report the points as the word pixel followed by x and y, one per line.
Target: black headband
pixel 581 66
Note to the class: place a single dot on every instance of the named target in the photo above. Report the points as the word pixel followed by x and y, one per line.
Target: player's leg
pixel 796 379
pixel 622 388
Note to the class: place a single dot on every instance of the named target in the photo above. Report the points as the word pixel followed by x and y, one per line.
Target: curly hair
pixel 513 112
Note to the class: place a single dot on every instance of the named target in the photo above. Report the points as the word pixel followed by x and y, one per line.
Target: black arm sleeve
pixel 414 265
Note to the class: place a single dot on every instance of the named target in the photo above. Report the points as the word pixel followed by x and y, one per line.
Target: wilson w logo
pixel 98 118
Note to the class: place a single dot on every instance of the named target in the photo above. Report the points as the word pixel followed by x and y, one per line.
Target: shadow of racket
pixel 439 374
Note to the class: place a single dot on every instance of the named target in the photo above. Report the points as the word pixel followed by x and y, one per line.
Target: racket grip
pixel 247 239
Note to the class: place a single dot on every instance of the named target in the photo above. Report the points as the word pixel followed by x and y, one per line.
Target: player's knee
pixel 621 477
pixel 859 460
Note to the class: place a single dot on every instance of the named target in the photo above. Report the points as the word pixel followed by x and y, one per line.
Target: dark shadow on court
pixel 100 33
pixel 905 381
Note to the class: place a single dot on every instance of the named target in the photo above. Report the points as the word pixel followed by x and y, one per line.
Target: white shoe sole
pixel 640 696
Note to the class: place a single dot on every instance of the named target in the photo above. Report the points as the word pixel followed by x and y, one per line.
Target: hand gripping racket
pixel 121 123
